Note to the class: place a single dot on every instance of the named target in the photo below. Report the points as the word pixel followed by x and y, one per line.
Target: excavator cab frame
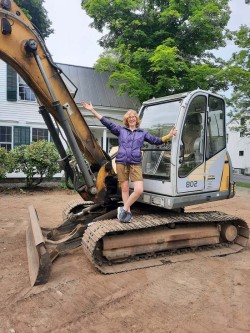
pixel 190 169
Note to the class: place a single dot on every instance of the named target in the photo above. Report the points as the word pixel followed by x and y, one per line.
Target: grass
pixel 239 184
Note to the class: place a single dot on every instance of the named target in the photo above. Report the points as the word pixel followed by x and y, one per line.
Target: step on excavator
pixel 193 168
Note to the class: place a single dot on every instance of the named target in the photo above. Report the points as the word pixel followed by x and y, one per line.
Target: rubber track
pixel 91 241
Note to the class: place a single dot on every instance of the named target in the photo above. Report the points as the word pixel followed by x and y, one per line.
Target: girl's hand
pixel 87 106
pixel 173 132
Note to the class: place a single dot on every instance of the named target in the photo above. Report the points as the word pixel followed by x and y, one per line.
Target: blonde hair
pixel 129 113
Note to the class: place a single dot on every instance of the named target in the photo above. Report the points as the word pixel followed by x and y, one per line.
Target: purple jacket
pixel 130 142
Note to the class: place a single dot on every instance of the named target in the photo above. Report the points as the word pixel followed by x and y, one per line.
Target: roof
pixel 165 98
pixel 92 121
pixel 93 86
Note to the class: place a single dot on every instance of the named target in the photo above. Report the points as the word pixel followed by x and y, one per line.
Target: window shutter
pixel 21 136
pixel 11 84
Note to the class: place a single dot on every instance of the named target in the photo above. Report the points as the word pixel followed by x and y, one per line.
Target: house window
pixel 21 136
pixel 25 93
pixel 241 153
pixel 5 137
pixel 40 134
pixel 16 83
pixel 242 121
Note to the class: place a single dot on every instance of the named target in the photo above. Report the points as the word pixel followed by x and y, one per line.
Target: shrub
pixel 4 163
pixel 37 161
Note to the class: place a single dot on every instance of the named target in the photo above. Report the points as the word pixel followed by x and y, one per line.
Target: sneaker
pixel 121 213
pixel 128 218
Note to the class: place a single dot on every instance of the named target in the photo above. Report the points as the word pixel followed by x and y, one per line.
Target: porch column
pixel 104 139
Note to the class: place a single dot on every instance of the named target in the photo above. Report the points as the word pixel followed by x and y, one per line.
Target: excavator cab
pixel 193 167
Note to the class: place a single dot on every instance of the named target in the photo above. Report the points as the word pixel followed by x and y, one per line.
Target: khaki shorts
pixel 132 171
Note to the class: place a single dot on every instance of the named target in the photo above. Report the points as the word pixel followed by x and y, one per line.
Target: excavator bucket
pixel 38 256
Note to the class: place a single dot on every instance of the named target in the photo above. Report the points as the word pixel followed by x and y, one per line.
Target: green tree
pixel 38 15
pixel 238 73
pixel 36 161
pixel 158 47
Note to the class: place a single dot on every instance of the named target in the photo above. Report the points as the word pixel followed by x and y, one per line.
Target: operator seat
pixel 192 134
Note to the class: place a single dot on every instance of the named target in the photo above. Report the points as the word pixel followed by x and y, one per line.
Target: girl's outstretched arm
pixel 90 108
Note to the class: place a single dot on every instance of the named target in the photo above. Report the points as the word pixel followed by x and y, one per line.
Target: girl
pixel 129 156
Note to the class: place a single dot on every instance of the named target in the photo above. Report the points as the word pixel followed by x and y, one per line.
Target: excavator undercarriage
pixel 154 237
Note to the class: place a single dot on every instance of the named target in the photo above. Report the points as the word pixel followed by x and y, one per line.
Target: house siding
pixel 3 81
pixel 235 145
pixel 20 112
pixel 23 113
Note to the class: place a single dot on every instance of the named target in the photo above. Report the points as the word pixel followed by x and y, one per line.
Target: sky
pixel 75 43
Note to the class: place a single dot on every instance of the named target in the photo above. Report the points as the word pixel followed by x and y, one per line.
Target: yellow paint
pixel 196 176
pixel 199 173
pixel 224 185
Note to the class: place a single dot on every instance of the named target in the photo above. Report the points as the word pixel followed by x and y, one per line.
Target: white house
pixel 239 149
pixel 21 123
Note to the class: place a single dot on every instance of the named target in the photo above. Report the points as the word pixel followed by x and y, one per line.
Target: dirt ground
pixel 205 295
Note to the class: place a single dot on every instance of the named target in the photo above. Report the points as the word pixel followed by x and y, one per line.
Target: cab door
pixel 191 160
pixel 202 150
pixel 215 152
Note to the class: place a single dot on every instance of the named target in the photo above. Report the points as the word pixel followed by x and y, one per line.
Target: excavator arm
pixel 90 170
pixel 23 48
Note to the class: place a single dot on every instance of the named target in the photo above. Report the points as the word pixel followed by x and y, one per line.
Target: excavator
pixel 193 168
